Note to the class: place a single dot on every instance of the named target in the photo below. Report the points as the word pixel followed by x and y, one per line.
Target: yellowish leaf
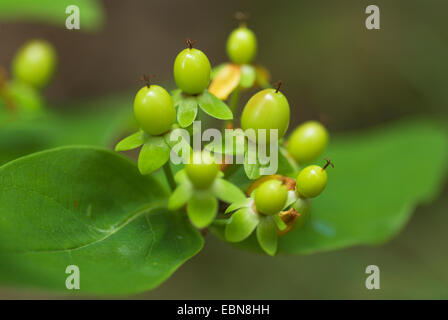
pixel 225 81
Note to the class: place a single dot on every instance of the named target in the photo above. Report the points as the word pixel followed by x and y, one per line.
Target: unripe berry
pixel 202 170
pixel 154 110
pixel 34 63
pixel 270 197
pixel 242 45
pixel 192 70
pixel 308 141
pixel 267 109
pixel 312 180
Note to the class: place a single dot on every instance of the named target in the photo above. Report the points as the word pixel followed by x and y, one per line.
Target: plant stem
pixel 220 222
pixel 233 105
pixel 235 99
pixel 4 92
pixel 169 175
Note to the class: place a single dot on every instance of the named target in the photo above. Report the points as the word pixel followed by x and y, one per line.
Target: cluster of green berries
pixel 32 69
pixel 273 206
pixel 273 209
pixel 240 73
pixel 200 185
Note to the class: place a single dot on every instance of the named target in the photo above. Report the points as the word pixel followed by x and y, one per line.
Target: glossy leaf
pixel 131 142
pixel 187 109
pixel 153 155
pixel 90 208
pixel 214 107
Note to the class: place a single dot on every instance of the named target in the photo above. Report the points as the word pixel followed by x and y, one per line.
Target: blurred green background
pixel 333 69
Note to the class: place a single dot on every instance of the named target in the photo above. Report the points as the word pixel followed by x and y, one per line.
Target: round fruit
pixel 34 63
pixel 308 141
pixel 154 110
pixel 267 109
pixel 270 197
pixel 311 181
pixel 202 170
pixel 192 71
pixel 242 45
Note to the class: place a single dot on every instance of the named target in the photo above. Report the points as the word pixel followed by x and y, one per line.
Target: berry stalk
pixel 169 175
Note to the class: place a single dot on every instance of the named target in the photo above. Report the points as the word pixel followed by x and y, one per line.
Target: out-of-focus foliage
pixel 97 122
pixel 52 12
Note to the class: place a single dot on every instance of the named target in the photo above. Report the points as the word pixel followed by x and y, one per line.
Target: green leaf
pixel 227 191
pixel 187 109
pixel 248 76
pixel 131 142
pixel 202 208
pixel 180 196
pixel 380 176
pixel 52 12
pixel 154 154
pixel 242 224
pixel 214 107
pixel 90 208
pixel 239 204
pixel 267 235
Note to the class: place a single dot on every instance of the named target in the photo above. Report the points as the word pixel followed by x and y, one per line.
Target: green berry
pixel 267 109
pixel 308 141
pixel 154 110
pixel 192 70
pixel 270 197
pixel 34 63
pixel 202 170
pixel 312 180
pixel 242 45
